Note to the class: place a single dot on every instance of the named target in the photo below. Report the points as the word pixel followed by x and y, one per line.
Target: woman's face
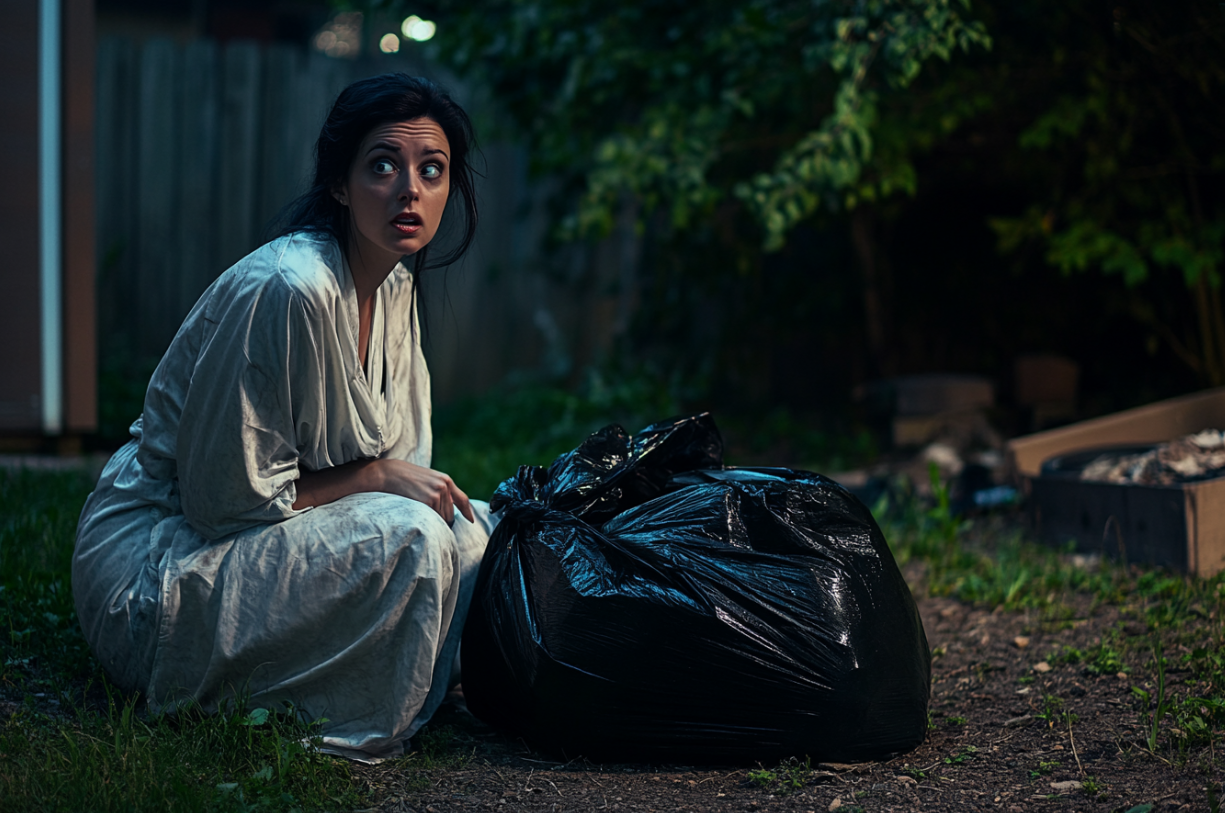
pixel 396 191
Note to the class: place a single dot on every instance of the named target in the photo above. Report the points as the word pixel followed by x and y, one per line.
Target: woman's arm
pixel 435 489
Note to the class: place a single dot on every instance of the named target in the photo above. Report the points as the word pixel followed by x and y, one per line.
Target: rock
pixel 1042 667
pixel 905 780
pixel 834 805
pixel 1065 787
pixel 1021 641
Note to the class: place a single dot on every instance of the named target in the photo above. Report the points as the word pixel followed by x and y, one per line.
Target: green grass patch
pixel 114 759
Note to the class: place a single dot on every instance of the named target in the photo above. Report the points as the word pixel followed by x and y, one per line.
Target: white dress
pixel 194 578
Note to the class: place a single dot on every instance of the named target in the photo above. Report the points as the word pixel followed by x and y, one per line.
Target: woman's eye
pixel 431 171
pixel 384 167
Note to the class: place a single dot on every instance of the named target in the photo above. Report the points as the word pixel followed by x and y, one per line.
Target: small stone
pixel 1021 641
pixel 1057 748
pixel 905 780
pixel 1065 787
pixel 1121 676
pixel 834 805
pixel 1042 667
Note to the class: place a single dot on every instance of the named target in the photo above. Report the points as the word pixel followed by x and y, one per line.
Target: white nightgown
pixel 194 577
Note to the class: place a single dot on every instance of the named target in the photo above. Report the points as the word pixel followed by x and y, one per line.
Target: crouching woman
pixel 273 530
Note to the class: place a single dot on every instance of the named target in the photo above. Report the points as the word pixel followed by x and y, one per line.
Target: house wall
pixel 20 369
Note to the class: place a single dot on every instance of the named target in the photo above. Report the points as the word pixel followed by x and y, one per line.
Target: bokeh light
pixel 418 29
pixel 389 44
pixel 341 36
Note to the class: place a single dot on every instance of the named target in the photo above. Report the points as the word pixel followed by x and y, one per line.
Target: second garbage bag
pixel 640 603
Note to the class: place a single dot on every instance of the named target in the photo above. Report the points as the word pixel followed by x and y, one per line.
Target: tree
pixel 768 103
pixel 1130 150
pixel 756 114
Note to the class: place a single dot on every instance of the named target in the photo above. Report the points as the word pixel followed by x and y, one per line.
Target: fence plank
pixel 115 183
pixel 280 173
pixel 198 209
pixel 237 176
pixel 157 193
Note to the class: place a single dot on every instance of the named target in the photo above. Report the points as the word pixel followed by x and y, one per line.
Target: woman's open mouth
pixel 407 223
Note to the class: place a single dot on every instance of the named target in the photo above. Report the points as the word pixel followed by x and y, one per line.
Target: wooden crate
pixel 1181 526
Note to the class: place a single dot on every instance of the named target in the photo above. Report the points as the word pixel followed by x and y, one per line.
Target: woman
pixel 273 529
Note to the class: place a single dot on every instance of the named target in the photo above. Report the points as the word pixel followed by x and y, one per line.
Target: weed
pixel 790 775
pixel 1044 768
pixel 1052 709
pixel 956 720
pixel 964 754
pixel 1151 718
pixel 1100 659
pixel 1092 788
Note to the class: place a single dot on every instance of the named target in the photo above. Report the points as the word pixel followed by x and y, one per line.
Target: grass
pixel 69 742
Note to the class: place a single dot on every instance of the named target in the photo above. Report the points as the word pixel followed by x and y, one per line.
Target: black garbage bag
pixel 639 603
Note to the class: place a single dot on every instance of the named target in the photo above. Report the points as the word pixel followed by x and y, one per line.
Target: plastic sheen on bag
pixel 639 603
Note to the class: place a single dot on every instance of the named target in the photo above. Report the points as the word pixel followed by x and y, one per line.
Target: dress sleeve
pixel 237 447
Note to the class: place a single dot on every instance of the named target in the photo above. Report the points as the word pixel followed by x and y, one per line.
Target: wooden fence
pixel 198 148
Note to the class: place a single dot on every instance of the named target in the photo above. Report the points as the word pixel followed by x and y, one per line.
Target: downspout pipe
pixel 50 220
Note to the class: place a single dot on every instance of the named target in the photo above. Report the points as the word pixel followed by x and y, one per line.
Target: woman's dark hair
pixel 362 106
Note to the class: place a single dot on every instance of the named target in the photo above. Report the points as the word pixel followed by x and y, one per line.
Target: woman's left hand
pixel 425 485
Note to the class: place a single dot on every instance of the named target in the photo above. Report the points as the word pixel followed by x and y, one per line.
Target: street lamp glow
pixel 389 44
pixel 418 29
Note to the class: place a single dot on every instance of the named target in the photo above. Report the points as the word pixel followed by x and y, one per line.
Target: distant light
pixel 418 29
pixel 389 44
pixel 341 36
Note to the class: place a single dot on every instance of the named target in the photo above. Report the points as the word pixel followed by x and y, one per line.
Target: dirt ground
pixel 994 745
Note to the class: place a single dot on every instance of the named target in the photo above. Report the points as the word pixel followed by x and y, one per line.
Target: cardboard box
pixel 1181 526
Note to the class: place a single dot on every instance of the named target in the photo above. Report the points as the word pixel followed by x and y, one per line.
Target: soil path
pixel 997 743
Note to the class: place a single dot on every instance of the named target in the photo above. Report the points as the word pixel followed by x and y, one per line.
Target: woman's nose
pixel 409 190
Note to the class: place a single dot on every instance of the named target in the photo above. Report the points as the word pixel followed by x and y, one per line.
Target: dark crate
pixel 1180 527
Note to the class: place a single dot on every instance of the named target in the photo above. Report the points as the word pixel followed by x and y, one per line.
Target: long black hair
pixel 362 106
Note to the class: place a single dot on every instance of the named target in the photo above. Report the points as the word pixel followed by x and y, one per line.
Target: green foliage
pixel 780 436
pixel 1130 157
pixel 483 440
pixel 767 105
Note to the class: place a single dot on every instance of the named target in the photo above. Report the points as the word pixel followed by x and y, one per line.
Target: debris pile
pixel 1200 456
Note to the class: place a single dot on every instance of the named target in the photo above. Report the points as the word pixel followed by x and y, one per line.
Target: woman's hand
pixel 435 489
